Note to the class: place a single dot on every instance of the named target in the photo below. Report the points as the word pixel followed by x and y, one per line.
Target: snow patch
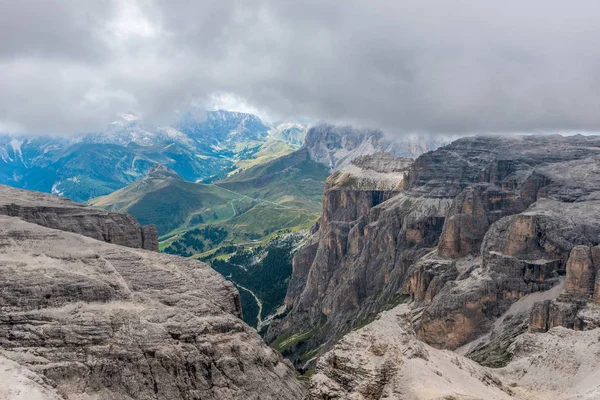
pixel 16 146
pixel 55 189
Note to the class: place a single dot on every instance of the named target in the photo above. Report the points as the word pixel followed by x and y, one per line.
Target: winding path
pixel 260 306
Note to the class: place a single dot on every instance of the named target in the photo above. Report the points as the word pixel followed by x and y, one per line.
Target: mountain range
pixel 201 146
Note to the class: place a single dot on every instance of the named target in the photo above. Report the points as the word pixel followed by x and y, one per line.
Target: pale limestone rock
pixel 106 322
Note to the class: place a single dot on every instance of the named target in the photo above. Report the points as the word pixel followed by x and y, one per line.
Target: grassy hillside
pixel 293 180
pixel 268 151
pixel 171 203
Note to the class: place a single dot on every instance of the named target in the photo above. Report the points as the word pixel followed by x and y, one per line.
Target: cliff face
pixel 474 227
pixel 82 319
pixel 578 307
pixel 59 213
pixel 350 257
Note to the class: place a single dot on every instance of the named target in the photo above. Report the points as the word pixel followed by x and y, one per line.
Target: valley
pixel 275 199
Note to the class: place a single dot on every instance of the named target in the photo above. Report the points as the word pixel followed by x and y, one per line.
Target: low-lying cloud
pixel 451 67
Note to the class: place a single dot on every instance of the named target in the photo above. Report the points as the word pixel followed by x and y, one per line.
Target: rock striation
pixel 93 320
pixel 59 213
pixel 475 226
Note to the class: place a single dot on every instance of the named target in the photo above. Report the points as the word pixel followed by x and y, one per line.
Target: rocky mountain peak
pixel 160 171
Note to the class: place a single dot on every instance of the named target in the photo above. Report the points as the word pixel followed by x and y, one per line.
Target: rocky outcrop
pixel 581 272
pixel 59 213
pixel 520 254
pixel 101 321
pixel 475 226
pixel 577 308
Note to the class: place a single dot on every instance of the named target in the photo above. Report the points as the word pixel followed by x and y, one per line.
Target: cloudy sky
pixel 437 66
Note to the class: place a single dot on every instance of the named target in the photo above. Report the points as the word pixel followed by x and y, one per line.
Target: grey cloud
pixel 433 66
pixel 54 29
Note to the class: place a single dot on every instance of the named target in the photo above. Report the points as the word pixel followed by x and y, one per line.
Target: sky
pixel 428 66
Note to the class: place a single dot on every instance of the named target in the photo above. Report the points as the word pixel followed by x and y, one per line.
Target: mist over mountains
pixel 203 146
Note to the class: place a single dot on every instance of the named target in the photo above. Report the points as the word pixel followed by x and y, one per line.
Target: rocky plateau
pixel 472 229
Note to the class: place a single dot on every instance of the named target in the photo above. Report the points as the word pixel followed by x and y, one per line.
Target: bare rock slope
pixel 85 319
pixel 384 360
pixel 59 213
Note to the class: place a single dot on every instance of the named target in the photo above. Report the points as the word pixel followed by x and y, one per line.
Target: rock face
pixel 109 322
pixel 581 272
pixel 385 360
pixel 465 226
pixel 577 308
pixel 59 213
pixel 474 227
pixel 19 383
pixel 84 319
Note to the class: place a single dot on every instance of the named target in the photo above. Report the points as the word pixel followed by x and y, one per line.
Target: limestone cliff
pixel 475 226
pixel 59 213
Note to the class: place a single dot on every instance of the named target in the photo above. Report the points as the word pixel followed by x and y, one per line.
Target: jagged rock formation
pixel 578 307
pixel 476 226
pixel 101 321
pixel 59 213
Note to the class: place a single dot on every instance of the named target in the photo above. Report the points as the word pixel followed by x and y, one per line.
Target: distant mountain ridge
pixel 336 146
pixel 202 146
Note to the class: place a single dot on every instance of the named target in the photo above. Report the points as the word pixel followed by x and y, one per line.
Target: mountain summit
pixel 159 171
